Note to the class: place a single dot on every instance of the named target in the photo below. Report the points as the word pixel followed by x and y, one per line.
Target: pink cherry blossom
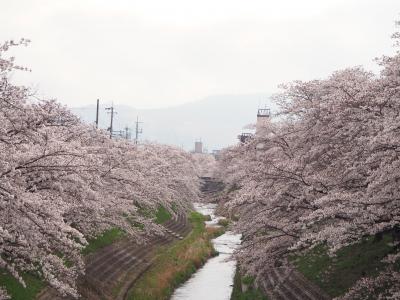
pixel 325 171
pixel 62 182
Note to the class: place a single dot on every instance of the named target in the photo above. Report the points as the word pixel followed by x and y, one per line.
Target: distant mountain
pixel 216 120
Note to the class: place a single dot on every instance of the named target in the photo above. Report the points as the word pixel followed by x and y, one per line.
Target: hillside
pixel 217 120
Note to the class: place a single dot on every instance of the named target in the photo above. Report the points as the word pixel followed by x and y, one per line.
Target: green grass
pixel 251 293
pixel 110 236
pixel 335 275
pixel 16 290
pixel 207 217
pixel 34 284
pixel 106 238
pixel 162 215
pixel 224 222
pixel 175 263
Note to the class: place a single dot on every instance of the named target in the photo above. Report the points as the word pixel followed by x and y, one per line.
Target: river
pixel 214 281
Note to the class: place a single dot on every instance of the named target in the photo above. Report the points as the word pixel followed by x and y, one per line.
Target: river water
pixel 214 280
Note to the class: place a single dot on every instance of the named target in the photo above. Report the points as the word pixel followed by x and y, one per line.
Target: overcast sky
pixel 157 53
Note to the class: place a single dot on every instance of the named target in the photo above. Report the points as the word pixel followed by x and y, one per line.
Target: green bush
pixel 162 215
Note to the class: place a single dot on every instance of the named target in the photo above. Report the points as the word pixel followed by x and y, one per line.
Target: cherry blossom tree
pixel 325 172
pixel 3 295
pixel 205 163
pixel 62 182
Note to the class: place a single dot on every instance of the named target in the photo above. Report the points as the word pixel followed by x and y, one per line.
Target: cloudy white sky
pixel 157 53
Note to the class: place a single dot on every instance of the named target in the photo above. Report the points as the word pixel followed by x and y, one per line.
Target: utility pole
pixel 112 112
pixel 127 133
pixel 138 130
pixel 97 114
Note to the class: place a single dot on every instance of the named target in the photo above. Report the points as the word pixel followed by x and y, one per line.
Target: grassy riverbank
pixel 104 239
pixel 34 284
pixel 335 275
pixel 175 263
pixel 15 288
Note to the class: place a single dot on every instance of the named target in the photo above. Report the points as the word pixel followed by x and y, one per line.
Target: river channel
pixel 214 281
